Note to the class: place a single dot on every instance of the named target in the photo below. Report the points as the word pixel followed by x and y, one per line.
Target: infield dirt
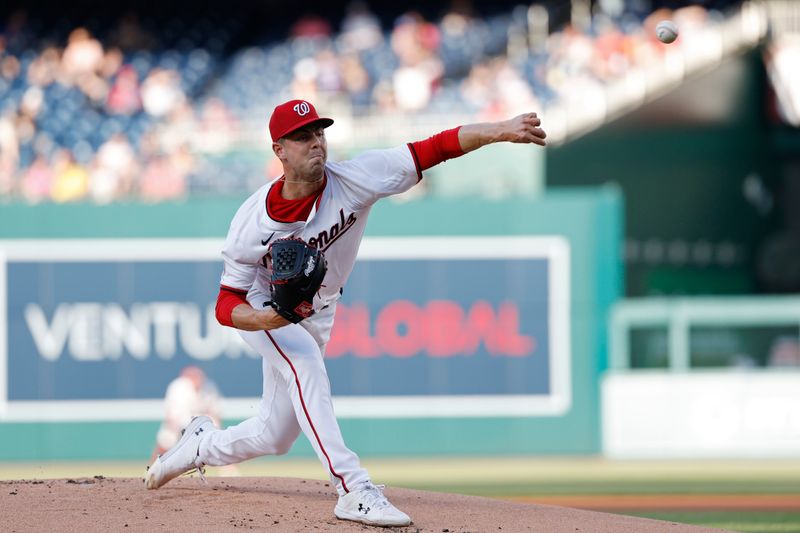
pixel 96 504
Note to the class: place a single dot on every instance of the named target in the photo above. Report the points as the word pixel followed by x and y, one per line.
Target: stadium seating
pixel 195 95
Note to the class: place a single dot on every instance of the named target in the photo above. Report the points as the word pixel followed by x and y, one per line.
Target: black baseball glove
pixel 297 273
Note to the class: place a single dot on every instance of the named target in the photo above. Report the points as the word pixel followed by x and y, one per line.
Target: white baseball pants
pixel 297 396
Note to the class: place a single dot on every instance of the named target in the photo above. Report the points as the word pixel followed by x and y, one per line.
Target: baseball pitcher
pixel 289 251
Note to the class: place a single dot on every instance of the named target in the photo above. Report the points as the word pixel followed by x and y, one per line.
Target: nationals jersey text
pixel 326 238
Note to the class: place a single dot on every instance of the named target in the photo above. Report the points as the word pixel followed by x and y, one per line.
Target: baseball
pixel 666 31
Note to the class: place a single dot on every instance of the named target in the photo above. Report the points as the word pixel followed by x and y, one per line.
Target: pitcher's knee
pixel 304 368
pixel 282 448
pixel 280 444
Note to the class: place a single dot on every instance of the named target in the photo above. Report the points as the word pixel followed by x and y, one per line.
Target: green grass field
pixel 749 522
pixel 532 478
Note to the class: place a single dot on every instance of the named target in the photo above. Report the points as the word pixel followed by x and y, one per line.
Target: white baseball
pixel 666 31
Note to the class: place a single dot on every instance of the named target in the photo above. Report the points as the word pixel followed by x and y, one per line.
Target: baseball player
pixel 289 251
pixel 189 394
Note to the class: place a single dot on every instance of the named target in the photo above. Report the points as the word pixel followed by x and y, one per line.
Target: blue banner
pixel 110 330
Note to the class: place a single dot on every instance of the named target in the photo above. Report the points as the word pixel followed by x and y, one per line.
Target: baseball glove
pixel 297 273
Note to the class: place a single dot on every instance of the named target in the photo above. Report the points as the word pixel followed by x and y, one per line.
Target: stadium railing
pixel 680 314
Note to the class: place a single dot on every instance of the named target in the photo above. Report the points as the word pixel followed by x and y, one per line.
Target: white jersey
pixel 335 226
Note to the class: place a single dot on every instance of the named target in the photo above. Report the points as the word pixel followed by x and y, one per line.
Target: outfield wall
pixel 703 377
pixel 467 327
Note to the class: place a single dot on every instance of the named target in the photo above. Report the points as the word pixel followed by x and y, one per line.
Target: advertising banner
pixel 427 327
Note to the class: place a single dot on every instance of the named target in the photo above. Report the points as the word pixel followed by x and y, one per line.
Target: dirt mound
pixel 97 504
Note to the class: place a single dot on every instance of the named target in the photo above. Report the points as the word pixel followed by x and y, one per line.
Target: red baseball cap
pixel 292 115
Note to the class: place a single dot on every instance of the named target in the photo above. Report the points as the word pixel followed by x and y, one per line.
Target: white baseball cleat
pixel 368 505
pixel 182 457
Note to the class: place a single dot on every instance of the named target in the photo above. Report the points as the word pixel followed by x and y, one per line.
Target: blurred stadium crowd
pixel 156 110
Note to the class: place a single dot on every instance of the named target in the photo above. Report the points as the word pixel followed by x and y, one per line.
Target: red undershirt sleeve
pixel 436 149
pixel 227 300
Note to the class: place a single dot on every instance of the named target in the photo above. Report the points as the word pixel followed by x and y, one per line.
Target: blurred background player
pixel 190 394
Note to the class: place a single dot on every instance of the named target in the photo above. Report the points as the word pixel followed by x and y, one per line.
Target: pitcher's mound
pixel 98 504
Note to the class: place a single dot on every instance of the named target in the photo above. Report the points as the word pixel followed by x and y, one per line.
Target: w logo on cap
pixel 292 115
pixel 302 108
